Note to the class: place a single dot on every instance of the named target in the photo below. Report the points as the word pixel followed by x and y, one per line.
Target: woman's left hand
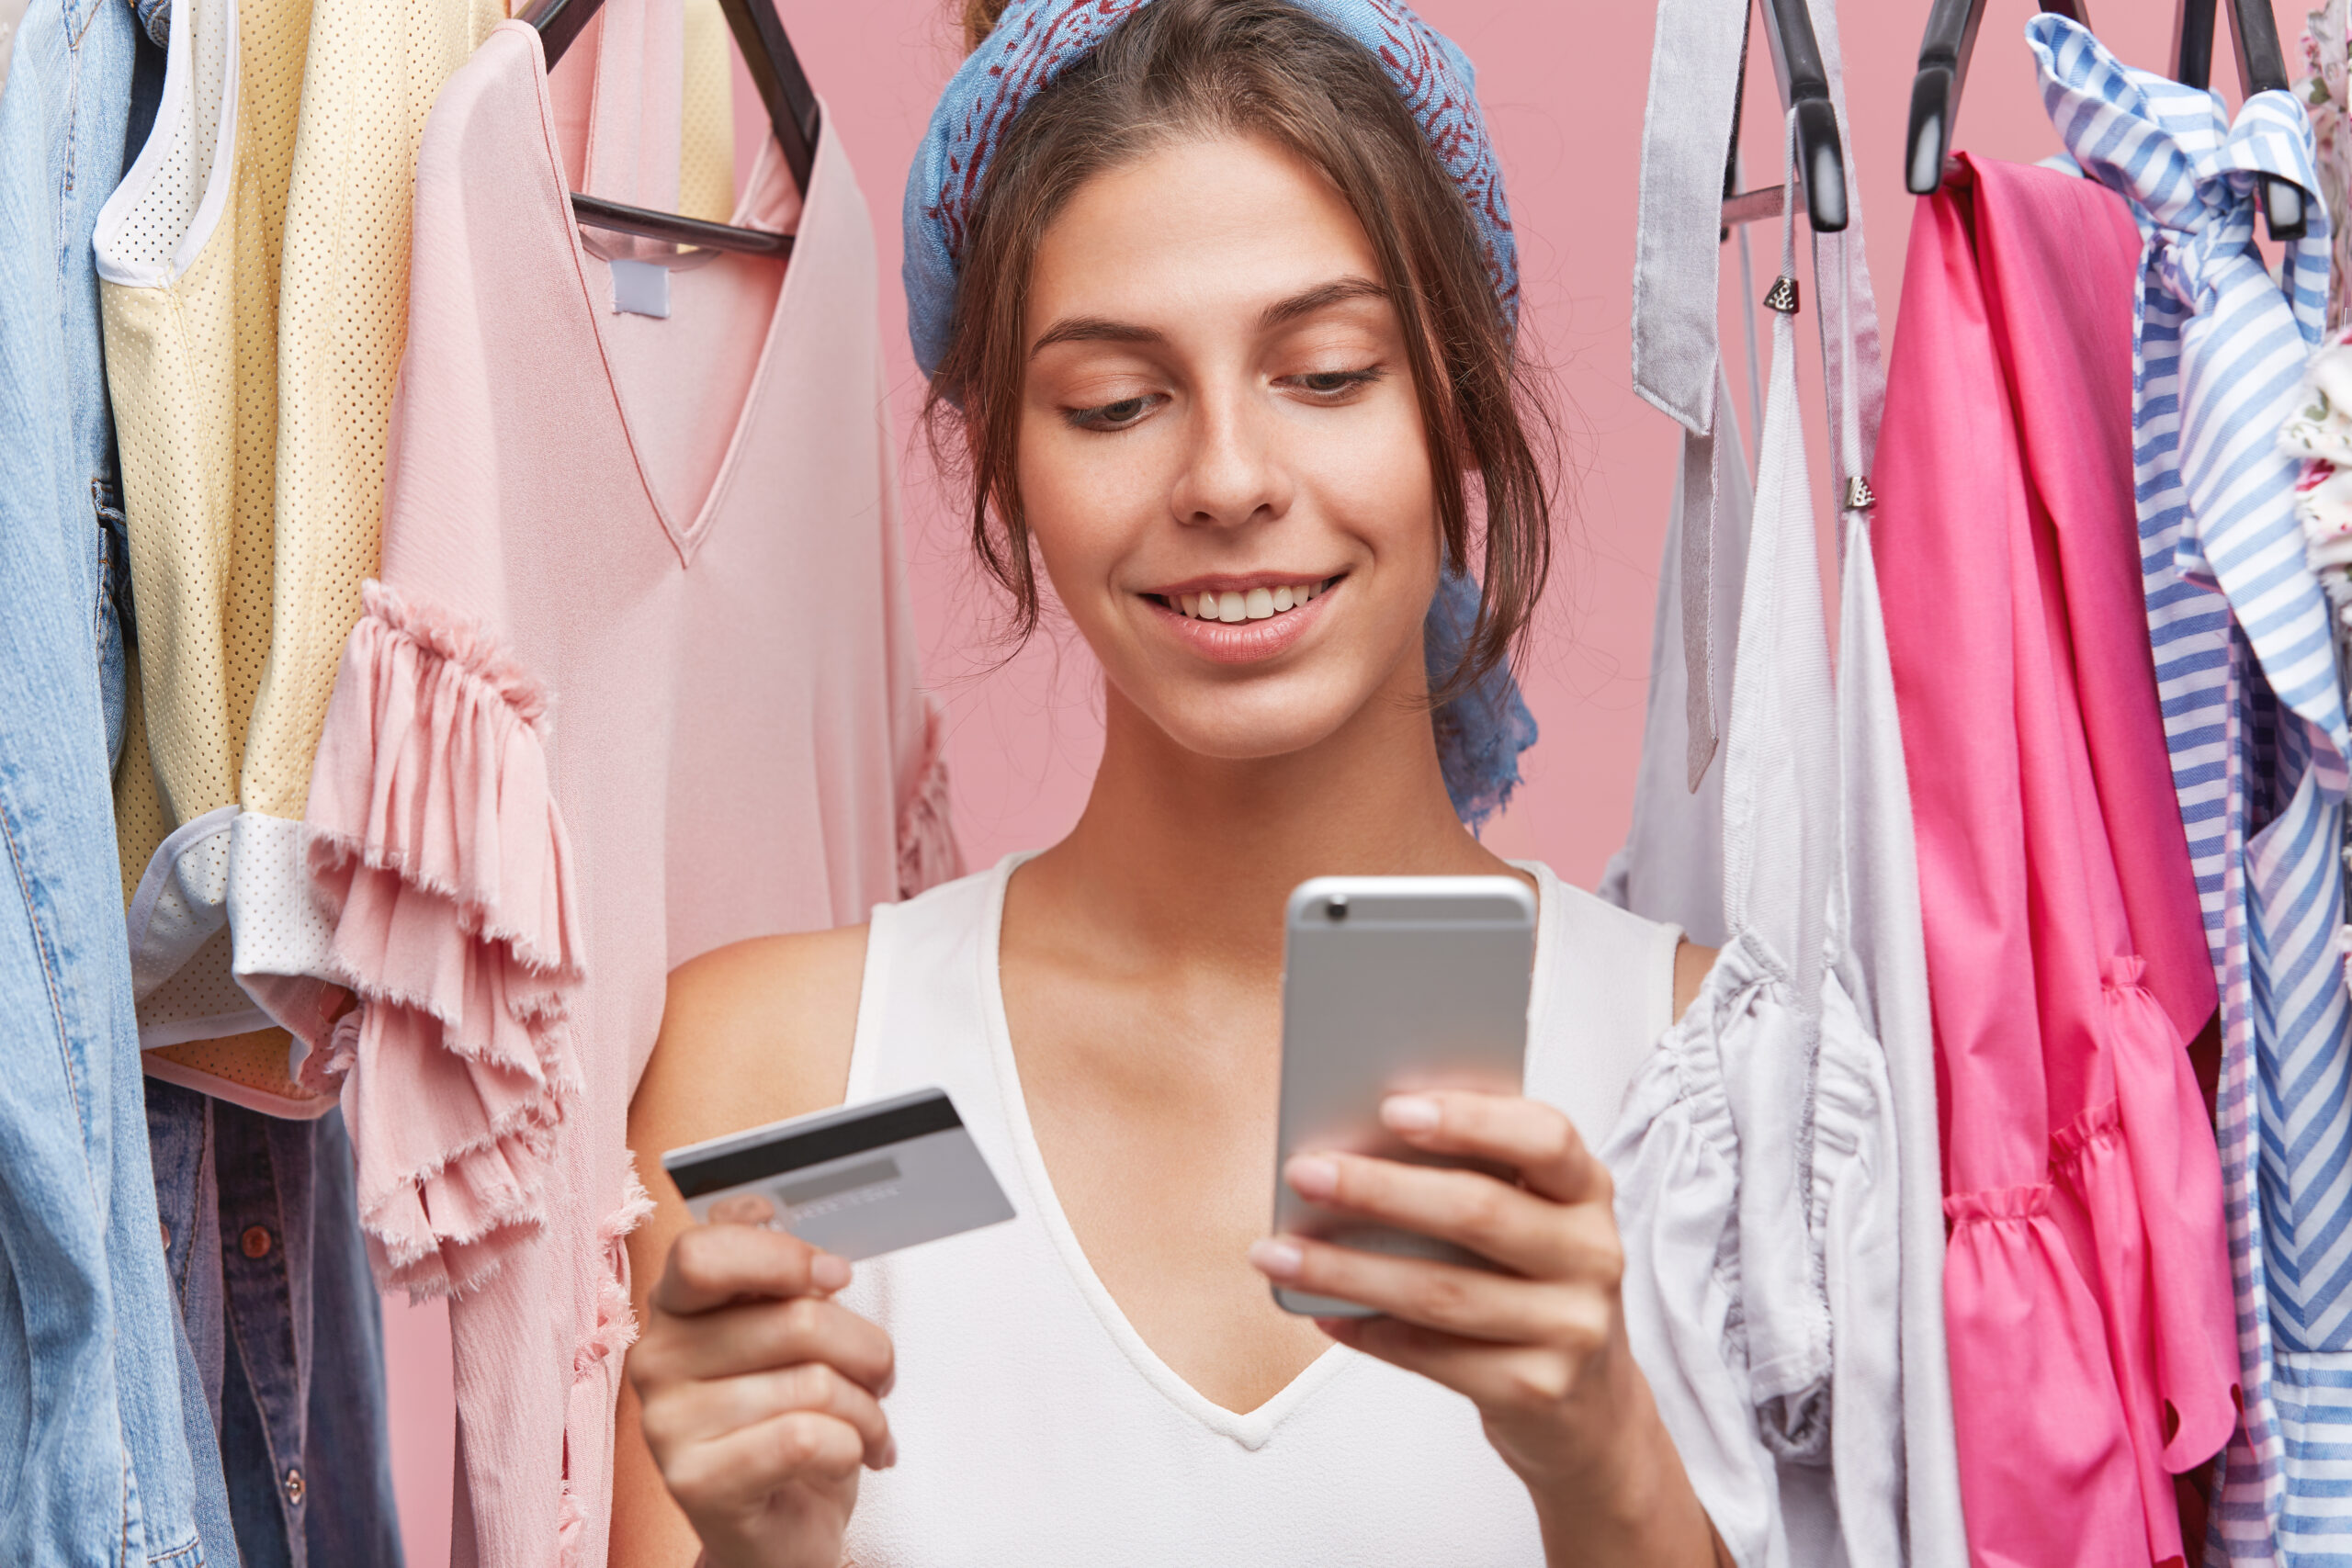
pixel 1537 1345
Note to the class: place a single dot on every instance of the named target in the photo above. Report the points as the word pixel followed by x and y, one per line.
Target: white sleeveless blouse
pixel 1036 1429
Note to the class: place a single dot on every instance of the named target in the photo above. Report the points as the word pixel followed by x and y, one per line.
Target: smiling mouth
pixel 1231 605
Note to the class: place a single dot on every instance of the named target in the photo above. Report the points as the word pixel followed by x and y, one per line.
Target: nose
pixel 1234 472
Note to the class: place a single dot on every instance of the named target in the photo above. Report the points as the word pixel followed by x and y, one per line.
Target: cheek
pixel 1086 500
pixel 1375 473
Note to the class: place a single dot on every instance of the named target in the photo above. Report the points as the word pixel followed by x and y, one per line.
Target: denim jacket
pixel 99 1456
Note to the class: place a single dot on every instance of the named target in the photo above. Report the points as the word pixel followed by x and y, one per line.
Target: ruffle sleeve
pixel 1773 1469
pixel 438 858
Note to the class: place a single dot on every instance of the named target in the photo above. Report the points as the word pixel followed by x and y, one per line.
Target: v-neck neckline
pixel 687 540
pixel 1250 1429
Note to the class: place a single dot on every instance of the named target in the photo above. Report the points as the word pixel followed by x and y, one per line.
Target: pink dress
pixel 2092 1331
pixel 638 681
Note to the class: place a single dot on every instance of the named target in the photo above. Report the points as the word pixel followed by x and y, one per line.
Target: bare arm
pixel 751 1033
pixel 1691 963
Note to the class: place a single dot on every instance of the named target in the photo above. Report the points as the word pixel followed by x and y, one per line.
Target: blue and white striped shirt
pixel 2255 720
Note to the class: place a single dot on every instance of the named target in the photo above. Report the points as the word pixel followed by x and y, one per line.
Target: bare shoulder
pixel 1691 963
pixel 752 1032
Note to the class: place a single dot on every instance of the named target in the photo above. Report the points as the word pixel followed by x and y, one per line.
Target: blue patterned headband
pixel 1481 732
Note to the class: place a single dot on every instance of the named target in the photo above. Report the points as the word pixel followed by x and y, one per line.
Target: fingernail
pixel 1311 1175
pixel 1276 1257
pixel 1410 1112
pixel 828 1271
pixel 889 1453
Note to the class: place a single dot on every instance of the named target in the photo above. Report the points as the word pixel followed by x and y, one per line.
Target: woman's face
pixel 1222 458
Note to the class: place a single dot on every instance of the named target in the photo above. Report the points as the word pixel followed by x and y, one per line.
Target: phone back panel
pixel 1392 984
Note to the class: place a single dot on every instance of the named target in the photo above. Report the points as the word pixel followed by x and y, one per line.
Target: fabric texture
pixel 188 252
pixel 2255 721
pixel 1482 731
pixel 1882 963
pixel 2325 93
pixel 1757 1144
pixel 1037 1427
pixel 571 744
pixel 2320 433
pixel 102 1461
pixel 1672 863
pixel 368 76
pixel 1671 866
pixel 262 1242
pixel 2088 1255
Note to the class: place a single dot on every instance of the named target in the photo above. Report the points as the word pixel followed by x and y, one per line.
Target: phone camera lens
pixel 1336 908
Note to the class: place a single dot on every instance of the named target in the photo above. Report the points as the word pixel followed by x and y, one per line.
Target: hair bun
pixel 979 21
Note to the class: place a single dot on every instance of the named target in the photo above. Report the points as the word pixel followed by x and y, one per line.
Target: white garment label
pixel 641 288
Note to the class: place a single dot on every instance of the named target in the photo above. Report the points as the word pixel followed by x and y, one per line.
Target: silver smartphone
pixel 1392 984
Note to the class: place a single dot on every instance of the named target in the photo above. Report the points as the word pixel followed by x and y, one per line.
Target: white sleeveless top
pixel 1036 1429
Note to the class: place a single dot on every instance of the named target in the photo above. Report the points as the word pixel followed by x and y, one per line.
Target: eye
pixel 1121 415
pixel 1334 386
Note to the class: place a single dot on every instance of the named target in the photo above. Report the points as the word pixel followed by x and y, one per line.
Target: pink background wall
pixel 1563 86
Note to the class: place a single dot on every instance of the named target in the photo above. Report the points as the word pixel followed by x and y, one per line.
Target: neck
pixel 1191 857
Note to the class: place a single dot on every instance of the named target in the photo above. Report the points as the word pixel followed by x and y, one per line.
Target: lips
pixel 1242 623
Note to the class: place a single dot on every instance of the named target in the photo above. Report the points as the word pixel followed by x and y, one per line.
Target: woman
pixel 1223 324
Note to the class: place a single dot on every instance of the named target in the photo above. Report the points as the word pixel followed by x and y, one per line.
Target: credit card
pixel 858 1180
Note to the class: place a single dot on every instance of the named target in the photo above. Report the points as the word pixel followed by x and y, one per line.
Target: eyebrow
pixel 1282 312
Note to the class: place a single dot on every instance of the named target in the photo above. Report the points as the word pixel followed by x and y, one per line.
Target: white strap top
pixel 1034 1426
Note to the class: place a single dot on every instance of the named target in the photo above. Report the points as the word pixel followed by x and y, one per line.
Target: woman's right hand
pixel 762 1395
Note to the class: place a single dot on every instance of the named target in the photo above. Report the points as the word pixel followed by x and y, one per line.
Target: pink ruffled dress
pixel 2092 1331
pixel 638 681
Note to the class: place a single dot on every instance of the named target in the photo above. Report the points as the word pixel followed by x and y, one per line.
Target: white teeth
pixel 1250 604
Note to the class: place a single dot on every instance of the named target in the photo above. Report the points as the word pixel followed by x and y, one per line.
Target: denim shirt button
pixel 255 1242
pixel 294 1487
pixel 167 1236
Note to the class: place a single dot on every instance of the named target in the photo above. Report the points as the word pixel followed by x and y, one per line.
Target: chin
pixel 1214 724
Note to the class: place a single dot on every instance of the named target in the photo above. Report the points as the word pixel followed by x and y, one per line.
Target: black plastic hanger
pixel 1943 70
pixel 1804 85
pixel 2261 67
pixel 1821 159
pixel 784 87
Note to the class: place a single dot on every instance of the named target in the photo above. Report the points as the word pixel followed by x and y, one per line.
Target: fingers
pixel 742 1209
pixel 711 1266
pixel 702 1412
pixel 1517 1377
pixel 762 1336
pixel 1518 1229
pixel 1472 1304
pixel 1533 1138
pixel 739 1472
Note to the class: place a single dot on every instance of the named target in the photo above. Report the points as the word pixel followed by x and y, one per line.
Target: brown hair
pixel 1180 69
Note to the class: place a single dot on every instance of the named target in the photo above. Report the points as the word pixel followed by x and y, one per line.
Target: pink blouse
pixel 638 681
pixel 2092 1331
